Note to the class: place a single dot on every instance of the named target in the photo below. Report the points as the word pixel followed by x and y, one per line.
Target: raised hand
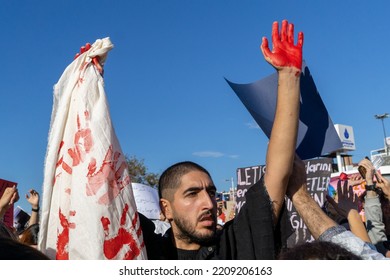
pixel 355 179
pixel 347 200
pixel 383 184
pixel 33 198
pixel 369 170
pixel 9 197
pixel 284 52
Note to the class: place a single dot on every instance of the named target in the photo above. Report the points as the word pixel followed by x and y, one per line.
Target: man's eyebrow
pixel 191 189
pixel 194 188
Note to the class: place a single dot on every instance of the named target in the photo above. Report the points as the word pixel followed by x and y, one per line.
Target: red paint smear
pixel 78 152
pixel 67 168
pixel 59 163
pixel 107 173
pixel 86 115
pixel 111 247
pixel 63 237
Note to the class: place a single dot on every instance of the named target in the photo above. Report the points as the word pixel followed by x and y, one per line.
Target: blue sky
pixel 165 76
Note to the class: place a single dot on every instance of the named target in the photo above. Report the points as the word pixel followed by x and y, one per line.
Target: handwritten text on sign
pixel 318 173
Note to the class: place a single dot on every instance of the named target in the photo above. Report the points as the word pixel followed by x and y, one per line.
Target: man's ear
pixel 165 206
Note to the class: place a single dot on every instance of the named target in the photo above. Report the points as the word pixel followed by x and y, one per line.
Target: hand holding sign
pixel 284 53
pixel 9 197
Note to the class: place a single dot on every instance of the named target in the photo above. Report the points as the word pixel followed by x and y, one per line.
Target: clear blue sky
pixel 165 76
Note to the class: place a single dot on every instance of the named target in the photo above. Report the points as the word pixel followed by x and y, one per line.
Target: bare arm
pixel 320 225
pixel 33 198
pixel 313 216
pixel 373 210
pixel 286 58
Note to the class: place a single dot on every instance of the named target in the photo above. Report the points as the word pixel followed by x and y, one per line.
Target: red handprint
pixel 82 141
pixel 83 144
pixel 113 245
pixel 63 237
pixel 109 173
pixel 284 53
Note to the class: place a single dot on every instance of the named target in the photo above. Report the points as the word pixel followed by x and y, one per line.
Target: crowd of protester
pixel 188 198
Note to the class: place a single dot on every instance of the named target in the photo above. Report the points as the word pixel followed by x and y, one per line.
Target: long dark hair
pixel 29 236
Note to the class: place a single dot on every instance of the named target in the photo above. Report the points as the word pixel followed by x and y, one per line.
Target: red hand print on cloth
pixel 63 237
pixel 284 52
pixel 113 245
pixel 107 173
pixel 83 142
pixel 61 163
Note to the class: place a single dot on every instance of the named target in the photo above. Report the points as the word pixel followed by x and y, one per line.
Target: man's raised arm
pixel 286 58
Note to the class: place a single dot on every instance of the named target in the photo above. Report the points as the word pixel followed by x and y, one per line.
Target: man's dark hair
pixel 318 250
pixel 170 179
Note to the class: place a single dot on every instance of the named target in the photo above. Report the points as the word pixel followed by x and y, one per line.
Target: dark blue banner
pixel 316 135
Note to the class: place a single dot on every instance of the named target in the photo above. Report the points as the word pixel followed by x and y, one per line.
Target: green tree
pixel 139 172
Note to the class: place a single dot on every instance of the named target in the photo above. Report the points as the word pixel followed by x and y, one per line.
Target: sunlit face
pixel 193 210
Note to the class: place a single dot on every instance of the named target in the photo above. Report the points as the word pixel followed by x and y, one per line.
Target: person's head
pixel 14 250
pixel 29 236
pixel 318 250
pixel 187 198
pixel 7 232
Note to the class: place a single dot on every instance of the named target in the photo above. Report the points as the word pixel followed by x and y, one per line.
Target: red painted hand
pixel 284 53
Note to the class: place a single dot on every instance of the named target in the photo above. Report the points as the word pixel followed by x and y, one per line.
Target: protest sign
pixel 358 188
pixel 318 173
pixel 21 218
pixel 147 201
pixel 246 177
pixel 8 218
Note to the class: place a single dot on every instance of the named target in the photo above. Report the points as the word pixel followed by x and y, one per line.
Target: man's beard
pixel 188 233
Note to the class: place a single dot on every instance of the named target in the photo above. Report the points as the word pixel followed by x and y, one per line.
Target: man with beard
pixel 187 192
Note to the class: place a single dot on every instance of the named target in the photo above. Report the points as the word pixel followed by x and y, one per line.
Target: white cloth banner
pixel 88 207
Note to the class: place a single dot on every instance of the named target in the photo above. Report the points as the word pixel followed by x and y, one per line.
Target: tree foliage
pixel 139 172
